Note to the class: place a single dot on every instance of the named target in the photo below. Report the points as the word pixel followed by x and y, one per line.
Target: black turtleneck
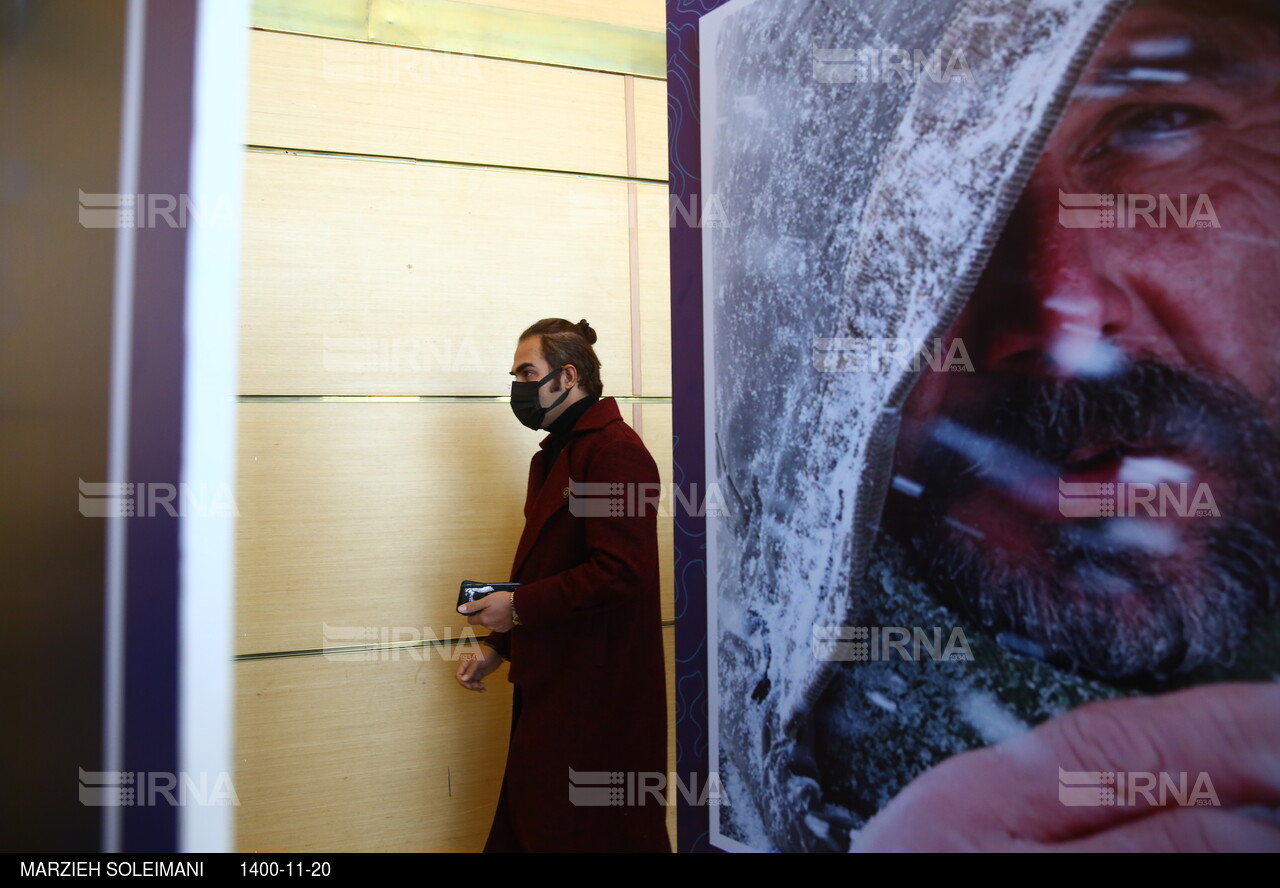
pixel 561 429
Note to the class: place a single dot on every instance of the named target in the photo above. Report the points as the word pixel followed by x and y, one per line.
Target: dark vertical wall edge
pixel 689 458
pixel 151 645
pixel 61 64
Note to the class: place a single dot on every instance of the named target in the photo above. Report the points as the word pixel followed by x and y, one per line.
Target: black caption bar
pixel 200 866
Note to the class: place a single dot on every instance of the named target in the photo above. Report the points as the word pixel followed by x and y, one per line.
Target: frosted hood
pixel 855 203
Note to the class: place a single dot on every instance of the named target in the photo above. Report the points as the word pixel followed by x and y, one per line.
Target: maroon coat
pixel 587 658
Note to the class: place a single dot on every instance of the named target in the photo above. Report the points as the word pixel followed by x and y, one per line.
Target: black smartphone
pixel 473 591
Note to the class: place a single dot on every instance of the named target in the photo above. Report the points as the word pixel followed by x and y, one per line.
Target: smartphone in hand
pixel 474 591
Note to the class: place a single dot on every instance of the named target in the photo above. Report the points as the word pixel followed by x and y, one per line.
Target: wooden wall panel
pixel 367 515
pixel 383 278
pixel 366 277
pixel 348 19
pixel 370 515
pixel 374 751
pixel 654 424
pixel 355 752
pixel 655 290
pixel 648 15
pixel 651 128
pixel 361 98
pixel 502 33
pixel 620 37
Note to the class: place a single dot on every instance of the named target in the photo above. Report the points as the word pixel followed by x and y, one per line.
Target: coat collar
pixel 598 415
pixel 545 498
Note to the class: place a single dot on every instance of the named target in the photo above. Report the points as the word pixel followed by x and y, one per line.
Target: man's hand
pixel 1009 797
pixel 493 612
pixel 472 668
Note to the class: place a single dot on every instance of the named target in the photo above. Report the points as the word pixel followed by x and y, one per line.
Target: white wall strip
pixel 207 571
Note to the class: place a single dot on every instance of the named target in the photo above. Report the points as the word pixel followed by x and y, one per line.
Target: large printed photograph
pixel 992 346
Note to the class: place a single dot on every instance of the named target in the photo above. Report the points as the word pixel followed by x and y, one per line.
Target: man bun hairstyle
pixel 564 342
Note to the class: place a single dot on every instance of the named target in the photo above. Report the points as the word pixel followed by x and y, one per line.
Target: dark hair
pixel 567 343
pixel 1265 11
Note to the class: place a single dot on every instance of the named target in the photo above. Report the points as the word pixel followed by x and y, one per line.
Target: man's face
pixel 1141 355
pixel 529 365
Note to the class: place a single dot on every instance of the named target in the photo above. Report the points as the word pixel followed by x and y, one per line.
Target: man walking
pixel 583 631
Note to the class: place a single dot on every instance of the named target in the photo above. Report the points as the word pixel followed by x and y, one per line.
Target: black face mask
pixel 525 404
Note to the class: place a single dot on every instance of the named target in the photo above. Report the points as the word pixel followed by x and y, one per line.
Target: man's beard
pixel 1084 593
